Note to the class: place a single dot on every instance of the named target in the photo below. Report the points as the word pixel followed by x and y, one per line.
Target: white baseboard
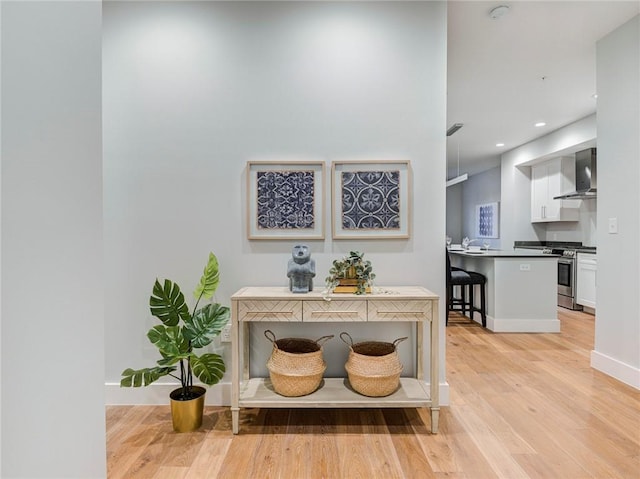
pixel 616 369
pixel 523 325
pixel 157 394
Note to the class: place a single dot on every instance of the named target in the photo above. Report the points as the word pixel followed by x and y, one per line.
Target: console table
pixel 278 304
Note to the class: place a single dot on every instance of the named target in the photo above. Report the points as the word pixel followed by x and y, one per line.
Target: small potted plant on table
pixel 177 338
pixel 351 274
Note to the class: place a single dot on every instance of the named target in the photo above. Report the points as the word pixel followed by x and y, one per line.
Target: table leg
pixel 235 420
pixel 435 416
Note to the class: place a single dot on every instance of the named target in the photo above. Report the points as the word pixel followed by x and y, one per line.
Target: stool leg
pixel 471 302
pixel 483 306
pixel 463 296
pixel 449 302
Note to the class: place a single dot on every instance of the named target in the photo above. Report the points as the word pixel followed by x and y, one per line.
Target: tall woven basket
pixel 296 365
pixel 373 367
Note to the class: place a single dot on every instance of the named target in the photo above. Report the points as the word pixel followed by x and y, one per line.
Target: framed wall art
pixel 487 220
pixel 285 200
pixel 370 199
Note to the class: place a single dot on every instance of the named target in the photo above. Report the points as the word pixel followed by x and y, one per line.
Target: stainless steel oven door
pixel 566 284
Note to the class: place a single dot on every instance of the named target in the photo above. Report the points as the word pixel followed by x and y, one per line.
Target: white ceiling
pixel 536 63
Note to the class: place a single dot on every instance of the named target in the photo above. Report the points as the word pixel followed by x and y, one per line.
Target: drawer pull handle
pixel 400 312
pixel 270 312
pixel 332 312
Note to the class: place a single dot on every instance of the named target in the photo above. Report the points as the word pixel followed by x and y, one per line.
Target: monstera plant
pixel 181 333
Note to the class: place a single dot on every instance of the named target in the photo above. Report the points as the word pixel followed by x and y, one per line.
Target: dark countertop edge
pixel 504 254
pixel 538 245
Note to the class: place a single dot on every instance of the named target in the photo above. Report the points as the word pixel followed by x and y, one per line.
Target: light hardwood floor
pixel 522 406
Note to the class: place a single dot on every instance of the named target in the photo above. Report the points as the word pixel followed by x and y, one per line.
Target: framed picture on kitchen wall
pixel 285 200
pixel 487 220
pixel 370 199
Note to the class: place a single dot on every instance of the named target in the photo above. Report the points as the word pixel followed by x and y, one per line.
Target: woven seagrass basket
pixel 296 365
pixel 373 367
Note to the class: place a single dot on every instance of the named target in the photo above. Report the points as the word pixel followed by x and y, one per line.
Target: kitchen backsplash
pixel 584 230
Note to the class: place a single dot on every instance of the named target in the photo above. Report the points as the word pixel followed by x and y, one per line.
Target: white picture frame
pixel 388 191
pixel 285 200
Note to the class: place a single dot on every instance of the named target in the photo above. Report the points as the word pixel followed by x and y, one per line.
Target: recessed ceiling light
pixel 540 123
pixel 499 144
pixel 594 96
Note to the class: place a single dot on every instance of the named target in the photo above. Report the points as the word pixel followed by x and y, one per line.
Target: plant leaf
pixel 168 360
pixel 167 303
pixel 209 280
pixel 209 368
pixel 206 323
pixel 143 377
pixel 169 341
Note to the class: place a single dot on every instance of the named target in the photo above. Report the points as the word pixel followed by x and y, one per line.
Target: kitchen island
pixel 521 288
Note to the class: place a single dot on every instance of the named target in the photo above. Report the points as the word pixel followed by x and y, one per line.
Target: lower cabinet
pixel 587 265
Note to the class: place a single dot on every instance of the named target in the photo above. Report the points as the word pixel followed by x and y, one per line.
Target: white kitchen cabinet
pixel 550 179
pixel 587 265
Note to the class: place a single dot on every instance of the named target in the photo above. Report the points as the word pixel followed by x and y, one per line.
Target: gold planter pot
pixel 187 415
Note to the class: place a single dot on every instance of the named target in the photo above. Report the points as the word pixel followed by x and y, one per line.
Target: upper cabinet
pixel 553 178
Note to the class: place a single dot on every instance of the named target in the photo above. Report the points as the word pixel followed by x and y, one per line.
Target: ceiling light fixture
pixel 453 128
pixel 540 123
pixel 457 179
pixel 460 178
pixel 499 144
pixel 498 12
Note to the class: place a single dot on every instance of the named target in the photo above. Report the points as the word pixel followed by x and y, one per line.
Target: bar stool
pixel 467 280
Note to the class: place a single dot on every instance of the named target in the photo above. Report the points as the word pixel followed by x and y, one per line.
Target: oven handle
pixel 565 261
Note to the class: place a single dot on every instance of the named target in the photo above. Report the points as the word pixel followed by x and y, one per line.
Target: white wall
pixel 52 272
pixel 454 212
pixel 1 448
pixel 515 209
pixel 617 344
pixel 192 91
pixel 584 230
pixel 479 189
pixel 462 200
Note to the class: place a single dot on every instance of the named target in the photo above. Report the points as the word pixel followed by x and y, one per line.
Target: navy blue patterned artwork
pixel 371 200
pixel 487 220
pixel 285 200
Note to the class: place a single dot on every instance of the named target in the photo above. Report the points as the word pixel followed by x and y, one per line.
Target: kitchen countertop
pixel 493 253
pixel 540 245
pixel 521 288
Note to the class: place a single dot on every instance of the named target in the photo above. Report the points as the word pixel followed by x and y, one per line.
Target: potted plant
pixel 177 338
pixel 351 274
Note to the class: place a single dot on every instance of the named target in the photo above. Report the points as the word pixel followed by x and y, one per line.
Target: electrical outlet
pixel 613 226
pixel 225 335
pixel 525 267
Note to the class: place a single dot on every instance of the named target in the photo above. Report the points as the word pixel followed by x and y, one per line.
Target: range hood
pixel 586 177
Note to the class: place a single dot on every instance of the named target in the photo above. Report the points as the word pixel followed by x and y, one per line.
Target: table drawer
pixel 323 311
pixel 389 310
pixel 261 310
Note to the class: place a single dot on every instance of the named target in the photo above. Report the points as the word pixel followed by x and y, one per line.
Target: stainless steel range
pixel 567 278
